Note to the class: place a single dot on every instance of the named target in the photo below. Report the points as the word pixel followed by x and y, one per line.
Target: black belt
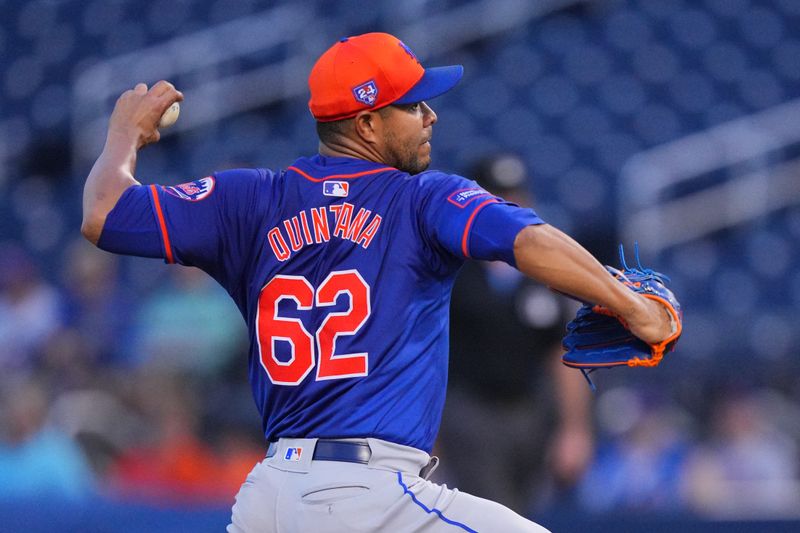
pixel 335 450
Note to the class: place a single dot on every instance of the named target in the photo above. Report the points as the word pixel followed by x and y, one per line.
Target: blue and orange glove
pixel 597 338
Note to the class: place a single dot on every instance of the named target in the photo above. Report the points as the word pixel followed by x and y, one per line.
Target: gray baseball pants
pixel 289 492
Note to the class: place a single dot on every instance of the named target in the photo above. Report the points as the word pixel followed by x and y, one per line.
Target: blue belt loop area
pixel 437 512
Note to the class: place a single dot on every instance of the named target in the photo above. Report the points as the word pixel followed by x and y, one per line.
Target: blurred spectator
pixel 639 468
pixel 29 309
pixel 189 325
pixel 66 361
pixel 237 451
pixel 99 421
pixel 37 460
pixel 96 307
pixel 748 468
pixel 171 464
pixel 516 420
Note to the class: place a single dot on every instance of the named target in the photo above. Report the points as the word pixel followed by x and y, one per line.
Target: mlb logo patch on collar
pixel 366 93
pixel 335 188
pixel 193 191
pixel 293 454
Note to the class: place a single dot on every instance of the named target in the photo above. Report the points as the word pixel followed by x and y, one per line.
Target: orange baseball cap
pixel 371 71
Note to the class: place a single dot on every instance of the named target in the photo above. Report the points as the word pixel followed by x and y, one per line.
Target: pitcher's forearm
pixel 551 257
pixel 555 259
pixel 133 124
pixel 112 173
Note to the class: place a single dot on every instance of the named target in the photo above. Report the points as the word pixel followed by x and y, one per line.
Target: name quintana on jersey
pixel 319 224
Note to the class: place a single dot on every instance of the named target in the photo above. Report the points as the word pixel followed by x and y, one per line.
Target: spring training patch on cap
pixel 366 93
pixel 193 191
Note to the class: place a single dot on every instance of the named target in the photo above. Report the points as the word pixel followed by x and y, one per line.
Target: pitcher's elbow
pixel 531 237
pixel 91 228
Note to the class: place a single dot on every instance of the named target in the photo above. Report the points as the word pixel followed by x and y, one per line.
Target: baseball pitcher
pixel 342 265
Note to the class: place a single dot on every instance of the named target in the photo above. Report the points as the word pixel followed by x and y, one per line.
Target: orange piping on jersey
pixel 162 224
pixel 341 176
pixel 464 239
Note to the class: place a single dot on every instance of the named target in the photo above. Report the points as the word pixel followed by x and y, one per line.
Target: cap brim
pixel 435 82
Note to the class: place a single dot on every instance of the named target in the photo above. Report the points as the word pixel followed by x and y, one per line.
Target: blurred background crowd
pixel 671 122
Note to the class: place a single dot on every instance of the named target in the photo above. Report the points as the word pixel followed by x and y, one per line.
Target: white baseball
pixel 170 116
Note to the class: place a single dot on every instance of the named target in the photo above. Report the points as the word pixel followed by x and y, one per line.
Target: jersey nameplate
pixel 319 224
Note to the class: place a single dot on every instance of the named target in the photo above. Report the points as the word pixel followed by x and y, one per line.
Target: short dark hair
pixel 328 131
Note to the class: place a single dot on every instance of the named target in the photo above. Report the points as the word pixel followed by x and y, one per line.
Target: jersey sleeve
pixel 130 227
pixel 210 223
pixel 466 221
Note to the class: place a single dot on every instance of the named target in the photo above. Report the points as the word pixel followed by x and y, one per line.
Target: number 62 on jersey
pixel 271 327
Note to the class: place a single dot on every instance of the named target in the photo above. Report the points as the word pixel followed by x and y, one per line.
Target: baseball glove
pixel 597 338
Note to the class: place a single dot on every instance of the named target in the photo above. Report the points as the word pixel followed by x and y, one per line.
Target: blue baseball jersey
pixel 342 269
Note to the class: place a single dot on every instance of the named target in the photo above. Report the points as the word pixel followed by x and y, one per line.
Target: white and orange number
pixel 272 328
